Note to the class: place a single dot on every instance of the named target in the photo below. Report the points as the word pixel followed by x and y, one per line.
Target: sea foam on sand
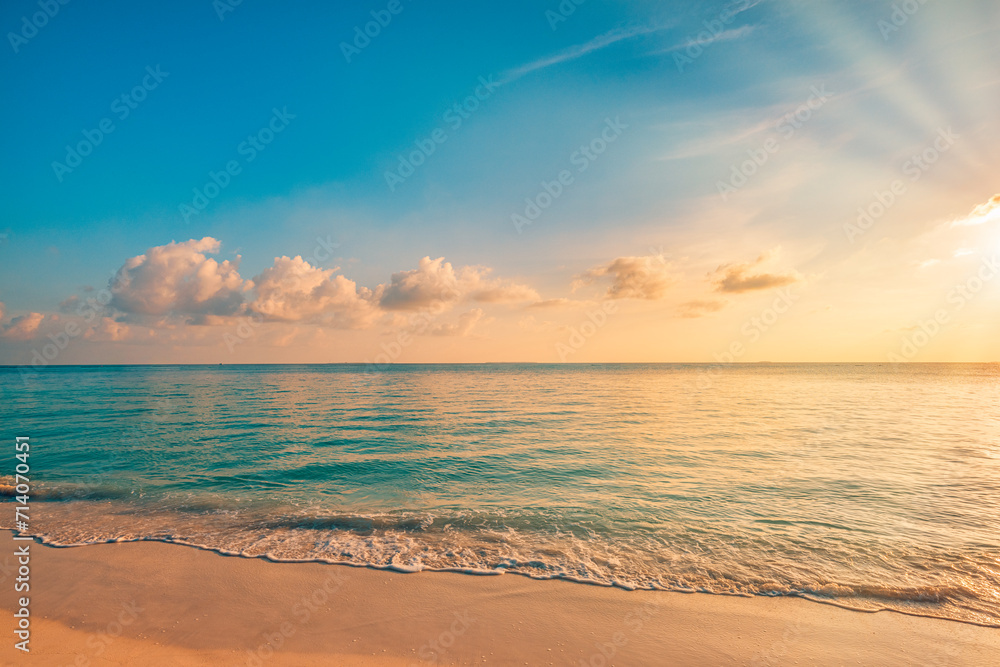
pixel 193 607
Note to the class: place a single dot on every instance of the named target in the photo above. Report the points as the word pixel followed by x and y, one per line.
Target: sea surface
pixel 869 486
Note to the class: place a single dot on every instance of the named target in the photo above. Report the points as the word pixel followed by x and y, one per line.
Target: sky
pixel 578 181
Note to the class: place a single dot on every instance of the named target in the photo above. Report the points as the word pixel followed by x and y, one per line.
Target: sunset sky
pixel 630 181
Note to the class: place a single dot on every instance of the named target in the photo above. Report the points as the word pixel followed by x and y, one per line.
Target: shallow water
pixel 871 486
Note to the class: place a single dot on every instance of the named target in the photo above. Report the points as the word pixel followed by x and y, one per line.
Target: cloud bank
pixel 181 282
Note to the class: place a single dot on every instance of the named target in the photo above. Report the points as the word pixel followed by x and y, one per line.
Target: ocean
pixel 869 486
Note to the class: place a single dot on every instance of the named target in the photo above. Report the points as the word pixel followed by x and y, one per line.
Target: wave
pixel 823 596
pixel 493 544
pixel 63 492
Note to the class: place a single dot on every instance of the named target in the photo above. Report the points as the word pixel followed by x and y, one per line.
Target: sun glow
pixel 982 214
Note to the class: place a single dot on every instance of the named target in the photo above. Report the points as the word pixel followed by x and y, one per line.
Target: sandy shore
pixel 159 604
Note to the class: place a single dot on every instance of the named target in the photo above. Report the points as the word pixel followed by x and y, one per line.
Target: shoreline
pixel 105 604
pixel 495 573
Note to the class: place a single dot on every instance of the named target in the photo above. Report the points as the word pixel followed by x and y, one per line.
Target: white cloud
pixel 982 214
pixel 176 284
pixel 293 290
pixel 724 36
pixel 178 278
pixel 579 50
pixel 435 284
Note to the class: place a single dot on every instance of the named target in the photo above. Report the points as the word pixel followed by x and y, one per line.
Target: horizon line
pixel 510 363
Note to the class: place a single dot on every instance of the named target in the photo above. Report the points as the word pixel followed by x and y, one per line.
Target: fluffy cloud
pixel 435 284
pixel 631 277
pixel 178 278
pixel 292 290
pixel 176 283
pixel 23 327
pixel 988 212
pixel 737 278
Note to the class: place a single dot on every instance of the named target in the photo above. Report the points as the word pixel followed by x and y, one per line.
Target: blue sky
pixel 654 191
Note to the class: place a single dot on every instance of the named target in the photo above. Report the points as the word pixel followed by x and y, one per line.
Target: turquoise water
pixel 869 486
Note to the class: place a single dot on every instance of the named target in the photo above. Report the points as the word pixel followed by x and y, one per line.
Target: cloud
pixel 178 278
pixel 1 311
pixel 982 214
pixel 23 327
pixel 292 290
pixel 435 284
pixel 724 36
pixel 739 6
pixel 69 304
pixel 692 309
pixel 579 50
pixel 463 327
pixel 432 284
pixel 738 278
pixel 631 277
pixel 176 284
pixel 109 329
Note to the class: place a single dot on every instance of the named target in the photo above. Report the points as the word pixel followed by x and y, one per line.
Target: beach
pixel 162 604
pixel 653 333
pixel 597 516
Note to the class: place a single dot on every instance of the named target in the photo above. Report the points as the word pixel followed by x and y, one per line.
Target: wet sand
pixel 157 604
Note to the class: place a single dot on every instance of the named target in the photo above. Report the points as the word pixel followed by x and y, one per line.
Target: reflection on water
pixel 870 485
